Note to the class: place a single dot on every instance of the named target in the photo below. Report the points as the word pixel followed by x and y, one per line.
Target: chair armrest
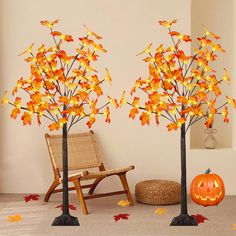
pixel 77 175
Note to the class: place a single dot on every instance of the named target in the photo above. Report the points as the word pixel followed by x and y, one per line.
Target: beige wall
pixel 127 27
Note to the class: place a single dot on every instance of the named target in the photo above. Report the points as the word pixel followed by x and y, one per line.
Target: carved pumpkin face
pixel 207 189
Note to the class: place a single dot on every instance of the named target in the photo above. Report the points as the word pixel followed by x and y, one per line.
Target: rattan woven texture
pixel 83 151
pixel 158 192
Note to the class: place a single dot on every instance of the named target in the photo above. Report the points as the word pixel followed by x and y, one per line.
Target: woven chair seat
pixel 158 192
pixel 87 175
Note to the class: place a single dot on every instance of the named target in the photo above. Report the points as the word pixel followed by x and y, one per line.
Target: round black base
pixel 65 220
pixel 183 220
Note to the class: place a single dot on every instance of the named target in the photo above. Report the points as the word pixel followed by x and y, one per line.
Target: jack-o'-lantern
pixel 207 189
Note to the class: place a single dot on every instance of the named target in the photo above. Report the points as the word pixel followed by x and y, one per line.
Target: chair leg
pixel 50 190
pixel 80 196
pixel 95 183
pixel 126 188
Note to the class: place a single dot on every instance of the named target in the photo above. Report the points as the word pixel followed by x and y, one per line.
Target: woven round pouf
pixel 158 192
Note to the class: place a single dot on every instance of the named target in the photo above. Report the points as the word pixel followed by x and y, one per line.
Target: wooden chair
pixel 83 154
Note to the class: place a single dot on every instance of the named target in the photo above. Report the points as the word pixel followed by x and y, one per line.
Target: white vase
pixel 210 141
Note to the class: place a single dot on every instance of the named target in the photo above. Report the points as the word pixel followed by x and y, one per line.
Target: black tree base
pixel 183 220
pixel 65 220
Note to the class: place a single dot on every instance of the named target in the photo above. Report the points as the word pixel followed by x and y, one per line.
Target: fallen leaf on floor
pixel 234 226
pixel 199 218
pixel 32 197
pixel 123 203
pixel 121 216
pixel 161 211
pixel 71 207
pixel 15 218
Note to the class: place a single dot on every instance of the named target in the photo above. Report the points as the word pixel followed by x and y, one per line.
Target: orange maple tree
pixel 181 88
pixel 61 87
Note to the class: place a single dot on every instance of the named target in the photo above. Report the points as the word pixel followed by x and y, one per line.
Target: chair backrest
pixel 83 151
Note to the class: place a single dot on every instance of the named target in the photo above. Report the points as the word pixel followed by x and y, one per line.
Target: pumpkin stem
pixel 208 171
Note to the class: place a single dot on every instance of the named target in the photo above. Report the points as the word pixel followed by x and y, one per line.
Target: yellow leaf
pixel 167 24
pixel 108 76
pixel 15 218
pixel 113 101
pixel 123 100
pixel 4 99
pixel 123 203
pixel 226 75
pixel 147 50
pixel 161 211
pixel 29 49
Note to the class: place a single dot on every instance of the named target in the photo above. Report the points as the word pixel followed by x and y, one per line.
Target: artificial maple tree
pixel 63 88
pixel 183 89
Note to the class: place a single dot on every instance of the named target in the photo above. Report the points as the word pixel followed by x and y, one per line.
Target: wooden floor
pixel 37 217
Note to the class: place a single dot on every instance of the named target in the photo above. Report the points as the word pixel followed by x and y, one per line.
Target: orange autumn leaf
pixel 182 99
pixel 15 218
pixel 99 47
pixel 26 118
pixel 123 203
pixel 29 50
pixel 172 126
pixel 64 100
pixel 174 33
pixel 15 112
pixel 57 126
pixel 48 23
pixel 217 47
pixel 54 126
pixel 21 82
pixel 123 99
pixel 225 113
pixel 161 211
pixel 207 32
pixel 167 24
pixel 133 112
pixel 136 102
pixel 226 75
pixel 36 97
pixel 181 121
pixel 108 76
pixel 146 50
pixel 157 119
pixel 107 115
pixel 113 101
pixel 86 42
pixel 209 121
pixel 4 99
pixel 68 38
pixel 138 84
pixel 91 121
pixel 231 101
pixel 145 118
pixel 89 32
pixel 167 85
pixel 186 38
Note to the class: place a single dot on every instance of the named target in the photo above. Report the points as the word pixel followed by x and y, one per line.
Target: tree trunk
pixel 65 219
pixel 183 219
